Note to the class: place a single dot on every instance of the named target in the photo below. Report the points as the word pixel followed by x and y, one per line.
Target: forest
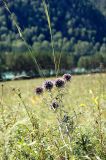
pixel 78 30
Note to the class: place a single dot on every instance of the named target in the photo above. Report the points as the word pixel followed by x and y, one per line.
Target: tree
pixel 84 62
pixel 19 47
pixel 83 48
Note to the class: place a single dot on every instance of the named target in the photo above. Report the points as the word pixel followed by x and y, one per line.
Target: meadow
pixel 66 118
pixel 29 128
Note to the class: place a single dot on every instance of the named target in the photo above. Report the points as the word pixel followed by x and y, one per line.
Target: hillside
pixel 78 27
pixel 78 19
pixel 101 5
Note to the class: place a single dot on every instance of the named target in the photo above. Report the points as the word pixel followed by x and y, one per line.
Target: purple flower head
pixel 39 90
pixel 59 83
pixel 48 85
pixel 67 77
pixel 54 105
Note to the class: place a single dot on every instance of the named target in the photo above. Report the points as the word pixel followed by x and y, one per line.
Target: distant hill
pixel 78 19
pixel 101 5
pixel 78 28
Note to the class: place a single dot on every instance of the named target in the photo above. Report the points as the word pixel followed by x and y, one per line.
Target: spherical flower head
pixel 59 83
pixel 39 90
pixel 48 85
pixel 54 105
pixel 67 77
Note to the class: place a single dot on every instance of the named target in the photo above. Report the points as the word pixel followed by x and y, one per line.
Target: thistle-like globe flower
pixel 39 90
pixel 48 85
pixel 67 77
pixel 59 83
pixel 54 105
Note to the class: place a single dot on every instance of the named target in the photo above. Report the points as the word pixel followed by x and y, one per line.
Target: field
pixel 84 99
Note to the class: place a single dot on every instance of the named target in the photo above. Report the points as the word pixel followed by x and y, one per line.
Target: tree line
pixel 82 54
pixel 78 28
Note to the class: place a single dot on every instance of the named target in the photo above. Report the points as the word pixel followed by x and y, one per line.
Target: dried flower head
pixel 59 83
pixel 54 105
pixel 48 85
pixel 67 77
pixel 39 90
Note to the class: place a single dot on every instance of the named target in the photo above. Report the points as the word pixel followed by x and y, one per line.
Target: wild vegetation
pixel 60 122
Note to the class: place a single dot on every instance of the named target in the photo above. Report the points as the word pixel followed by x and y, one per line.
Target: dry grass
pixel 81 91
pixel 85 95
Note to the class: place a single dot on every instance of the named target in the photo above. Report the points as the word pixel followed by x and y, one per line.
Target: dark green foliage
pixel 79 19
pixel 101 5
pixel 79 31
